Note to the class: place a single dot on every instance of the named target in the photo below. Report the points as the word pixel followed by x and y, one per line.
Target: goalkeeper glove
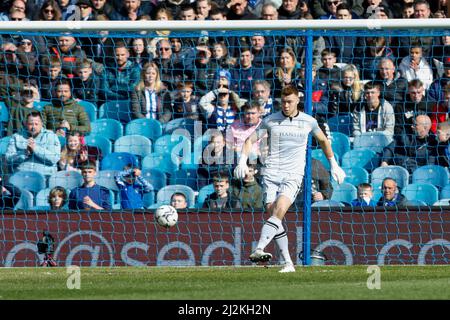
pixel 241 169
pixel 336 172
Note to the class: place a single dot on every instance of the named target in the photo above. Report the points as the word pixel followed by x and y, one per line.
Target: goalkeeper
pixel 287 134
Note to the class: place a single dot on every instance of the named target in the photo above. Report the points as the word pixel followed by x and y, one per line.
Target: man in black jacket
pixel 412 151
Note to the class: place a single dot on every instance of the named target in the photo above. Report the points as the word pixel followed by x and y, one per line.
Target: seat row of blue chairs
pixel 35 190
pixel 416 193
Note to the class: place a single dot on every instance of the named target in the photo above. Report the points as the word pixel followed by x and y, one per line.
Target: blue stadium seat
pixel 148 199
pixel 319 155
pixel 108 128
pixel 415 202
pixel 433 174
pixel 364 158
pixel 104 144
pixel 4 144
pixel 118 160
pixel 184 124
pixel 186 177
pixel 4 113
pixel 42 197
pixel 421 191
pixel 442 202
pixel 165 162
pixel 166 144
pixel 29 180
pixel 327 203
pixel 100 142
pixel 200 144
pixel 342 124
pixel 155 177
pixel 105 178
pixel 398 173
pixel 356 175
pixel 445 192
pixel 25 202
pixel 134 144
pixel 203 194
pixel 40 105
pixel 165 193
pixel 66 179
pixel 344 192
pixel 149 128
pixel 62 141
pixel 340 143
pixel 90 108
pixel 118 110
pixel 375 141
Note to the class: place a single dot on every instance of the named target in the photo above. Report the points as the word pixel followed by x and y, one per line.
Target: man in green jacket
pixel 65 114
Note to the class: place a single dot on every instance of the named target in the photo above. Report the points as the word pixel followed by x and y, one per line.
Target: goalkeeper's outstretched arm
pixel 242 169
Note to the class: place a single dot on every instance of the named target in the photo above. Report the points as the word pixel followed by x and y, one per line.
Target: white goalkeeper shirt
pixel 287 139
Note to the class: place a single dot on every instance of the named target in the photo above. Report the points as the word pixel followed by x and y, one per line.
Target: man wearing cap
pixel 436 90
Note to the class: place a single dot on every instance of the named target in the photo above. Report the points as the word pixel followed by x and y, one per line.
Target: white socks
pixel 271 228
pixel 282 241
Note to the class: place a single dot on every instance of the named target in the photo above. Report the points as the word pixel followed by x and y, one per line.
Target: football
pixel 166 216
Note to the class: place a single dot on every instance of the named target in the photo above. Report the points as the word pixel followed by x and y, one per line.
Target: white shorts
pixel 276 185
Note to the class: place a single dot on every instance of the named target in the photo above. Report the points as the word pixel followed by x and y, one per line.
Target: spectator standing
pixel 286 73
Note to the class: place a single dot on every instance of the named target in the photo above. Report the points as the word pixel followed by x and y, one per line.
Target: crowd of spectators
pixel 395 85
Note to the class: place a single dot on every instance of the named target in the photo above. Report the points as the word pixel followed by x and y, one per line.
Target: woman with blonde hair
pixel 287 71
pixel 150 99
pixel 75 153
pixel 345 94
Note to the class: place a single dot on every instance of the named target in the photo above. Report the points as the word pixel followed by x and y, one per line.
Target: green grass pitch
pixel 228 283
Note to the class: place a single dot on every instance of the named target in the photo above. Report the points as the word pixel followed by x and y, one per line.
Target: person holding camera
pixel 132 187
